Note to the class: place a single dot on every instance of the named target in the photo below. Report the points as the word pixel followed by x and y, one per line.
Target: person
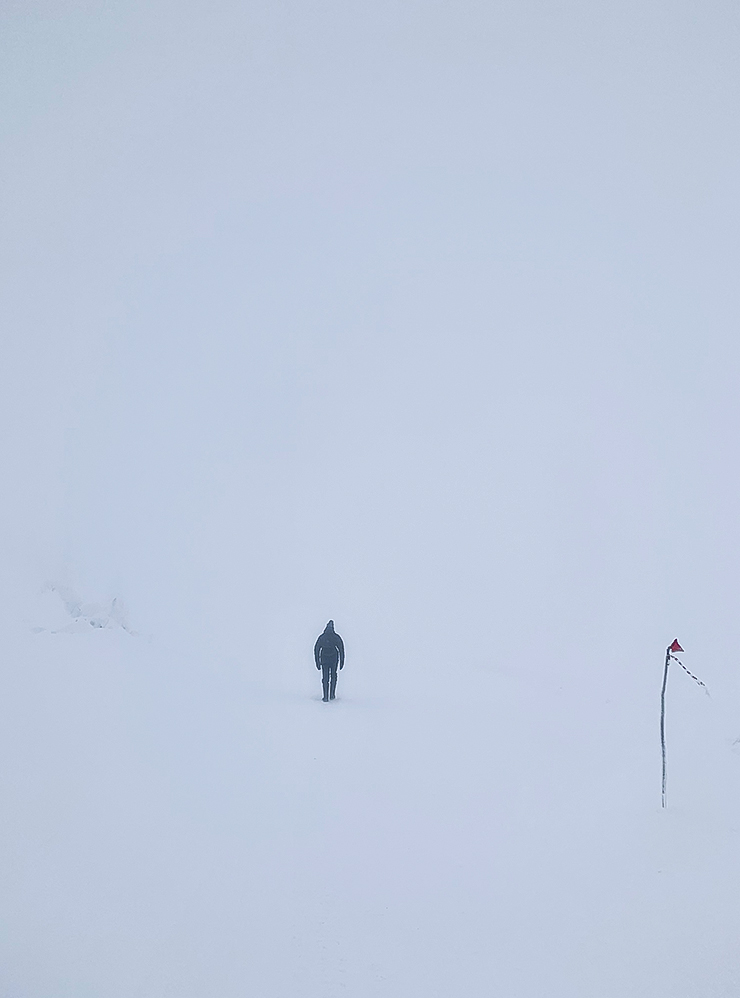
pixel 328 652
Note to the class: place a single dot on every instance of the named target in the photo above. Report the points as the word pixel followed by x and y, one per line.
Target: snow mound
pixel 60 611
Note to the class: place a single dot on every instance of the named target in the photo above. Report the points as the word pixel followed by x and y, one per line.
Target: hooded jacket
pixel 329 648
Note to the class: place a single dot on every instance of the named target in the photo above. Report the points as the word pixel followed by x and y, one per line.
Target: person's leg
pixel 333 687
pixel 325 681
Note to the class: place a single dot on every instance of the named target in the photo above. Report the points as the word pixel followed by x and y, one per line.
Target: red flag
pixel 675 646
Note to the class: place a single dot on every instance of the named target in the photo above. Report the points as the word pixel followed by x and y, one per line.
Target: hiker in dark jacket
pixel 328 652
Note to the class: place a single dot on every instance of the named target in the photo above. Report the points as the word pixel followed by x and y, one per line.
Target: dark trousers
pixel 329 680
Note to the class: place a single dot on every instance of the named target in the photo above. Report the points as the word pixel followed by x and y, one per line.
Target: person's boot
pixel 333 688
pixel 325 685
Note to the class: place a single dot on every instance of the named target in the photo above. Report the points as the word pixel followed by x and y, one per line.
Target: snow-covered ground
pixel 179 825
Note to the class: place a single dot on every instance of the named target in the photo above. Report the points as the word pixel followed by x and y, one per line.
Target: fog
pixel 420 317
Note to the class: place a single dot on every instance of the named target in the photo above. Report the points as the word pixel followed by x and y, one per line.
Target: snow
pixel 177 826
pixel 420 317
pixel 61 610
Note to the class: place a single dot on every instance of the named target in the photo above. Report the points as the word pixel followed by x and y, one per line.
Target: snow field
pixel 194 832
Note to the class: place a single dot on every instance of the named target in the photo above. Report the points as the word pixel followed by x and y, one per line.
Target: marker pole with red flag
pixel 674 647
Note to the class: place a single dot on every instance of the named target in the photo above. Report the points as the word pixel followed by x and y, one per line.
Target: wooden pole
pixel 662 719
